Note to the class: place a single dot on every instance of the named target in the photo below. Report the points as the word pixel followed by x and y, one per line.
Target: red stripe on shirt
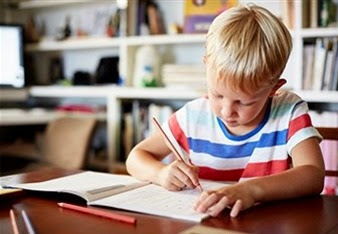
pixel 219 175
pixel 178 133
pixel 300 122
pixel 265 168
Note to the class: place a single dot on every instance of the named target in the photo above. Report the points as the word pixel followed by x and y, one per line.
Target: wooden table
pixel 317 214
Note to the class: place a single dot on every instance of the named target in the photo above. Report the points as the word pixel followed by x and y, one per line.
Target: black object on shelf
pixel 107 71
pixel 82 78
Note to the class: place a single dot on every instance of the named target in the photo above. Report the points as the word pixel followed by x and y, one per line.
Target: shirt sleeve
pixel 300 126
pixel 174 129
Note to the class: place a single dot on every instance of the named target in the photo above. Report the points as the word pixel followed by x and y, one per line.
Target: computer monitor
pixel 12 72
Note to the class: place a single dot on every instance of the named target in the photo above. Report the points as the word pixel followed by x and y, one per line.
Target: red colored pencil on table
pixel 13 221
pixel 101 213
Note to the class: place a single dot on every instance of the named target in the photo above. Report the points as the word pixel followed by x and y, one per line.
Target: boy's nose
pixel 227 111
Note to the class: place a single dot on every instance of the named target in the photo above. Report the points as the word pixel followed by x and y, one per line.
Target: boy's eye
pixel 218 96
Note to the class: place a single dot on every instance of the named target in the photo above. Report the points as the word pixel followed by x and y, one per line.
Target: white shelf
pixel 153 93
pixel 32 4
pixel 77 91
pixel 319 32
pixel 166 39
pixel 34 116
pixel 115 91
pixel 49 44
pixel 75 44
pixel 159 93
pixel 319 96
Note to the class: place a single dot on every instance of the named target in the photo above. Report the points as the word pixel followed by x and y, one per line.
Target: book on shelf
pixel 288 13
pixel 127 193
pixel 128 133
pixel 333 84
pixel 132 17
pixel 319 63
pixel 144 18
pixel 198 15
pixel 327 13
pixel 314 14
pixel 138 124
pixel 306 13
pixel 185 75
pixel 319 13
pixel 327 70
pixel 155 21
pixel 308 55
pixel 137 121
pixel 160 112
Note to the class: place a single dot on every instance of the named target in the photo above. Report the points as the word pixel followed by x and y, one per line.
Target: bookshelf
pixel 126 47
pixel 115 96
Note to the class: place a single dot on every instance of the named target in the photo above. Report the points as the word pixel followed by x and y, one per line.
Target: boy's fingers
pixel 219 206
pixel 190 173
pixel 207 203
pixel 200 199
pixel 183 177
pixel 236 208
pixel 177 182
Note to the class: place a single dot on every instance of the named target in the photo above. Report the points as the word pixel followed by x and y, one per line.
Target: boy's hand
pixel 178 175
pixel 236 197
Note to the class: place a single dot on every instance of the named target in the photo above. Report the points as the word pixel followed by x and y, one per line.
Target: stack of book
pixel 320 65
pixel 319 13
pixel 193 76
pixel 138 124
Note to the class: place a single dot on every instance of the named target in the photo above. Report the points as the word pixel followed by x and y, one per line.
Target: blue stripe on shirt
pixel 237 151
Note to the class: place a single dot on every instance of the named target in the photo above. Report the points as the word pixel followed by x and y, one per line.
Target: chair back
pixel 329 134
pixel 67 141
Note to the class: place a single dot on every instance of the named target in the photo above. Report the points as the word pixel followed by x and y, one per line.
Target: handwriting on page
pixel 157 200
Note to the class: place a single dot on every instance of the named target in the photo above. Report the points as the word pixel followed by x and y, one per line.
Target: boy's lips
pixel 231 123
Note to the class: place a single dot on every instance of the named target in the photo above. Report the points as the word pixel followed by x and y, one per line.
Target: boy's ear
pixel 277 86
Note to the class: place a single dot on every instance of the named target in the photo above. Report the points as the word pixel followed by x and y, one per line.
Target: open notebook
pixel 126 192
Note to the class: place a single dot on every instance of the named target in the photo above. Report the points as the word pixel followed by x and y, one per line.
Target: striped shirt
pixel 225 157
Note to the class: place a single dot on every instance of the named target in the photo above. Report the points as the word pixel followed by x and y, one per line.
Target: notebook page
pixel 155 200
pixel 79 184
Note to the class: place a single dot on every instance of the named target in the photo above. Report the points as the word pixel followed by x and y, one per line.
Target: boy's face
pixel 238 110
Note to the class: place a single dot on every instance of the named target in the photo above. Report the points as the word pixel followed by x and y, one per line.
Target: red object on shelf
pixel 76 108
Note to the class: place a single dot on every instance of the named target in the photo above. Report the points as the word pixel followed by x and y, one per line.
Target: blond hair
pixel 248 46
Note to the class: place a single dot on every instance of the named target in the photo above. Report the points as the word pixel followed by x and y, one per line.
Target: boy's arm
pixel 305 178
pixel 144 161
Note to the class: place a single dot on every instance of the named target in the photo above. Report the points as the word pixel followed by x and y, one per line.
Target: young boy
pixel 246 129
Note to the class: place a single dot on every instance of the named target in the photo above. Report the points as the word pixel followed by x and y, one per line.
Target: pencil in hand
pixel 172 147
